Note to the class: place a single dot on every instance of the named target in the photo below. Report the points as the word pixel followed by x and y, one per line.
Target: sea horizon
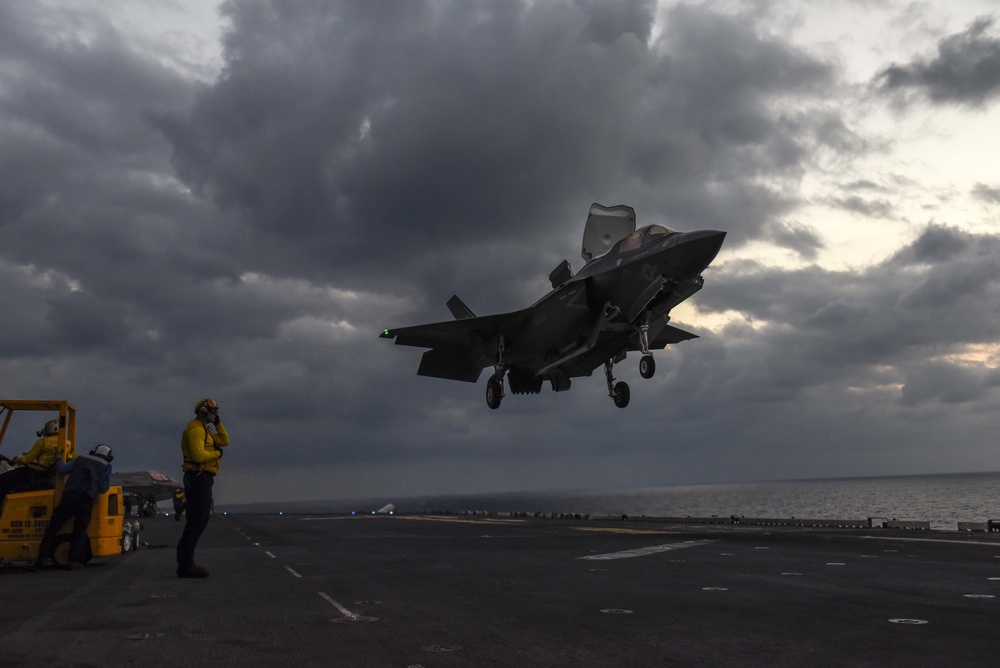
pixel 940 498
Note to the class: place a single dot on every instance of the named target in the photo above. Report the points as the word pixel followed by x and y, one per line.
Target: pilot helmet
pixel 103 451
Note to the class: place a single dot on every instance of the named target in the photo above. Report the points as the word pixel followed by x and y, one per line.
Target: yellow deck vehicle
pixel 25 513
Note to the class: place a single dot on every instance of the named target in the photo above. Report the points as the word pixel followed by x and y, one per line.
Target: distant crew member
pixel 34 467
pixel 89 477
pixel 152 510
pixel 178 504
pixel 202 447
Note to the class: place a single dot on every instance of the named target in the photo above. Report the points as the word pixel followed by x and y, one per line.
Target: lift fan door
pixel 606 226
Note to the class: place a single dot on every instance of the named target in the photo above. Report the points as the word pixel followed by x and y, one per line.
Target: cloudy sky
pixel 235 201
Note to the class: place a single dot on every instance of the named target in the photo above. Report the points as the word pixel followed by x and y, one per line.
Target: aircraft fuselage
pixel 620 280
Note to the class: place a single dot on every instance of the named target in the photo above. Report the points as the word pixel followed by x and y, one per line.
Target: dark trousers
pixel 76 506
pixel 198 492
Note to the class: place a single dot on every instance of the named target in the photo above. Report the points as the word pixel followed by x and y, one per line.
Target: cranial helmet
pixel 51 428
pixel 205 405
pixel 103 451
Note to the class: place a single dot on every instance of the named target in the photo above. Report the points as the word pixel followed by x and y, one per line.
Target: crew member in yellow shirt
pixel 202 443
pixel 35 465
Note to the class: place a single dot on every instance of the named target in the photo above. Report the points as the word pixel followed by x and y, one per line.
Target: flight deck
pixel 423 590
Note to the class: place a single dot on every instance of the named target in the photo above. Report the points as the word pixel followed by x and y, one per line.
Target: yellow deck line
pixel 629 531
pixel 454 520
pixel 500 522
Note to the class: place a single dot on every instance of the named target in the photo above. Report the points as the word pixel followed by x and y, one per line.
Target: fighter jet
pixel 147 484
pixel 619 302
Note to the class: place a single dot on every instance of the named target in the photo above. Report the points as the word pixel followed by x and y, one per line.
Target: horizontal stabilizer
pixel 459 309
pixel 671 334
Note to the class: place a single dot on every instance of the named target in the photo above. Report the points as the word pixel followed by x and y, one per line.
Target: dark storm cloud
pixel 356 163
pixel 990 194
pixel 79 321
pixel 932 298
pixel 864 185
pixel 73 104
pixel 966 69
pixel 876 208
pixel 801 238
pixel 100 245
pixel 846 366
pixel 85 193
pixel 946 383
pixel 357 131
pixel 935 246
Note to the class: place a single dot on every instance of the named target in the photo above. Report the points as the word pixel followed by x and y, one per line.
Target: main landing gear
pixel 618 391
pixel 494 386
pixel 647 365
pixel 494 390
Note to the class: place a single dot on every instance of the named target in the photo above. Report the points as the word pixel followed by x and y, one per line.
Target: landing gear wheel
pixel 494 392
pixel 622 394
pixel 647 366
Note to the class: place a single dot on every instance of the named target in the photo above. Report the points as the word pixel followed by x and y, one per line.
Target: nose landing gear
pixel 647 366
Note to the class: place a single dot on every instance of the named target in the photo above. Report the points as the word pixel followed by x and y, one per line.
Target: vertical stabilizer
pixel 560 274
pixel 459 309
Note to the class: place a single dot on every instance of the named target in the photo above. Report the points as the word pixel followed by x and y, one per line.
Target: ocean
pixel 943 500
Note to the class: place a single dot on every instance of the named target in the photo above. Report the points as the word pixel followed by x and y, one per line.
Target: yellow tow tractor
pixel 25 513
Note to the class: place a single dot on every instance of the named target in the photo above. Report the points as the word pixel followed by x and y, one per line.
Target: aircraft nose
pixel 703 245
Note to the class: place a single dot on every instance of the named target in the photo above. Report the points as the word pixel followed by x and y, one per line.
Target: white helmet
pixel 103 451
pixel 51 428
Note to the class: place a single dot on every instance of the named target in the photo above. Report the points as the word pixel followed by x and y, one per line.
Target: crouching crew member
pixel 89 477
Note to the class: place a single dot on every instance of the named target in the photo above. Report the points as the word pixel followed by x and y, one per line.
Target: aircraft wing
pixel 459 349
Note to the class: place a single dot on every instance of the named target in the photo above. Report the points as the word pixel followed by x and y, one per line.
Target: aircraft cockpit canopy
pixel 645 236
